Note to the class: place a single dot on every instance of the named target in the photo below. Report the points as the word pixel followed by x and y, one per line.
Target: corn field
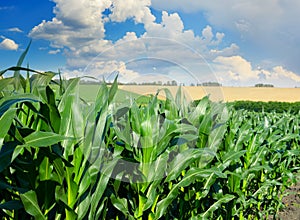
pixel 64 158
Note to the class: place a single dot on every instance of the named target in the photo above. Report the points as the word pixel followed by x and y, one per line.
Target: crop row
pixel 63 158
pixel 278 107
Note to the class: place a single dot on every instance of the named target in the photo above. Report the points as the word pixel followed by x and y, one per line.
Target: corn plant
pixel 64 158
pixel 48 150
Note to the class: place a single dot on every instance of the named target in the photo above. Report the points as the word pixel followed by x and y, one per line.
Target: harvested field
pixel 224 93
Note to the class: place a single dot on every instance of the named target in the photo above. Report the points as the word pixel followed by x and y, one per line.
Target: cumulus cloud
pixel 138 10
pixel 231 50
pixel 269 27
pixel 159 42
pixel 233 12
pixel 236 70
pixel 78 30
pixel 172 27
pixel 256 18
pixel 8 44
pixel 76 23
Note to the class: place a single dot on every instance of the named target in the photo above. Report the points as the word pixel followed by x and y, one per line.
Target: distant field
pixel 227 94
pixel 89 93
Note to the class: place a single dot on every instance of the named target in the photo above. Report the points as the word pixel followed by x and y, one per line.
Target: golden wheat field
pixel 226 94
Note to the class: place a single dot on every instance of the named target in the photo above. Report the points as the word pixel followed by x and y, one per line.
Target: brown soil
pixel 292 204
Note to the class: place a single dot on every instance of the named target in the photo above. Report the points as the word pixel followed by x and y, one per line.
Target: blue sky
pixel 239 43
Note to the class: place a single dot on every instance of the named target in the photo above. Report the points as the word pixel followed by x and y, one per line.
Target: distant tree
pixel 211 84
pixel 263 85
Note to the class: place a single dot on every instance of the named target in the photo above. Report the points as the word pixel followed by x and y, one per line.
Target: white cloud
pixel 15 29
pixel 76 23
pixel 232 50
pixel 172 27
pixel 43 48
pixel 280 72
pixel 107 70
pixel 138 10
pixel 243 15
pixel 269 26
pixel 78 30
pixel 54 51
pixel 236 70
pixel 8 44
pixel 159 42
pixel 169 44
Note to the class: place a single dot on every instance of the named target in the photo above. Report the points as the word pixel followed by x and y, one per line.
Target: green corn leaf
pixel 105 174
pixel 158 168
pixel 229 157
pixel 179 96
pixel 5 122
pixel 19 68
pixel 23 55
pixel 184 159
pixel 41 80
pixel 29 200
pixel 19 80
pixel 205 128
pixel 84 184
pixel 59 168
pixel 6 153
pixel 256 168
pixel 216 136
pixel 120 203
pixel 102 97
pixel 54 113
pixel 152 195
pixel 225 199
pixel 18 150
pixel 6 103
pixel 43 139
pixel 200 110
pixel 171 109
pixel 71 112
pixel 45 170
pixel 191 176
pixel 112 91
pixel 5 82
pixel 83 207
pixel 72 187
pixel 60 196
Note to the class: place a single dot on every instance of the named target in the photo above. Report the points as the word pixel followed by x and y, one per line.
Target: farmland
pixel 115 156
pixel 226 94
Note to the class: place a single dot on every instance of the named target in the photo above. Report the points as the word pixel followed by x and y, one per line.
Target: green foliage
pixel 263 85
pixel 278 107
pixel 64 158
